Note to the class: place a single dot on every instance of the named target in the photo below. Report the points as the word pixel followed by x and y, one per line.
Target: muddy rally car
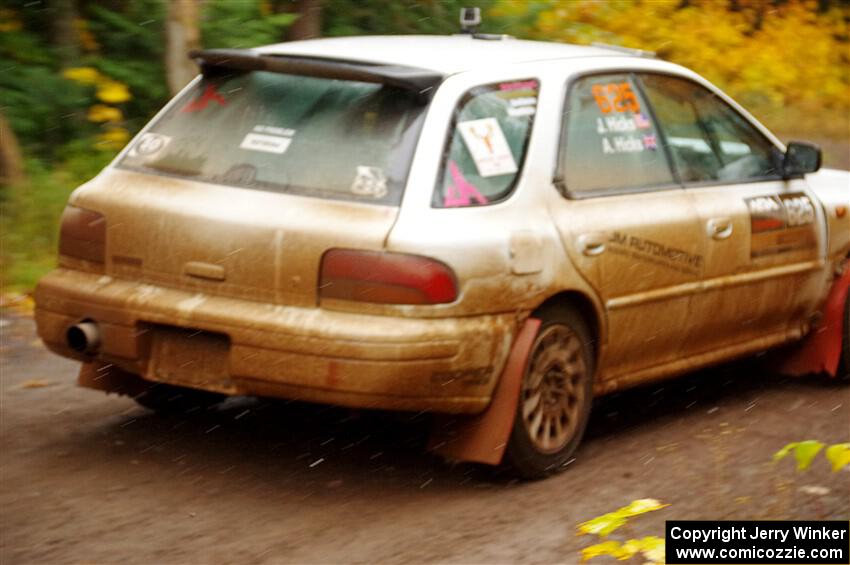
pixel 470 225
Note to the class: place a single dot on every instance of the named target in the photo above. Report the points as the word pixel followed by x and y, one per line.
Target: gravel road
pixel 90 478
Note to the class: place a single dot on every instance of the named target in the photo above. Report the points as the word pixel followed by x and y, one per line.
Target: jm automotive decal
pixel 781 223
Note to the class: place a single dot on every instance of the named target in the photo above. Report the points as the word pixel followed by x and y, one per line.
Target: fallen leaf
pixel 612 548
pixel 804 452
pixel 35 383
pixel 607 523
pixel 838 455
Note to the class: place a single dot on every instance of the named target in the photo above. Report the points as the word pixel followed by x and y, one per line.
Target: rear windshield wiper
pixel 420 81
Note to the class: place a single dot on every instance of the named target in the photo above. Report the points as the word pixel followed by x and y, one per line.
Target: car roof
pixel 444 54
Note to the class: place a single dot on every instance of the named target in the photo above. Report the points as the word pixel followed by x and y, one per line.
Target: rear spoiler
pixel 421 81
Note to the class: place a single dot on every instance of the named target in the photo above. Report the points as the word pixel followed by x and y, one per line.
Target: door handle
pixel 719 228
pixel 591 244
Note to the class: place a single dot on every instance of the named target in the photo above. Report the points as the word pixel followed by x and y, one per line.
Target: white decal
pixel 369 181
pixel 267 143
pixel 523 101
pixel 149 144
pixel 763 205
pixel 487 145
pixel 628 144
pixel 274 130
pixel 617 124
pixel 800 211
pixel 521 111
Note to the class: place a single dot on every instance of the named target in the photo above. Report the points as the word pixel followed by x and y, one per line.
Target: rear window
pixel 302 135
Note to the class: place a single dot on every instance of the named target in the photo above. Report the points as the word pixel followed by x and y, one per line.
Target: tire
pixel 559 374
pixel 171 399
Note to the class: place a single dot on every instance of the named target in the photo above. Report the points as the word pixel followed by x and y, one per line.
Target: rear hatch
pixel 250 176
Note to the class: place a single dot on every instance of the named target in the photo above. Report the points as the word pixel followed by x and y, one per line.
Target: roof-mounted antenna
pixel 470 19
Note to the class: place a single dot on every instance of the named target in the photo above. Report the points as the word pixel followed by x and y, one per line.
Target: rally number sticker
pixel 781 223
pixel 615 97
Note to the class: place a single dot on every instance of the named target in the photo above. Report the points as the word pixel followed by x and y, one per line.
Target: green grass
pixel 29 217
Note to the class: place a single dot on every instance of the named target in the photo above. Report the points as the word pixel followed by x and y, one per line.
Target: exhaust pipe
pixel 83 337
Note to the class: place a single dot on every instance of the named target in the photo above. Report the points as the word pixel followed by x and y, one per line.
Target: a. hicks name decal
pixel 780 223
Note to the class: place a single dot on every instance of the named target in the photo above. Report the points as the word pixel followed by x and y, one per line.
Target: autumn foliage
pixel 786 61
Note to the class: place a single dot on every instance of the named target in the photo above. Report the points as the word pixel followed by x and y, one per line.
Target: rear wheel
pixel 171 399
pixel 555 396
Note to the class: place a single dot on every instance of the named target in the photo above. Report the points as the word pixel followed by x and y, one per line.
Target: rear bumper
pixel 311 354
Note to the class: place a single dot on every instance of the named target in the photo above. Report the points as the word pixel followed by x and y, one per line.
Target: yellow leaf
pixel 113 138
pixel 612 548
pixel 113 92
pixel 83 75
pixel 35 383
pixel 607 523
pixel 86 37
pixel 102 113
pixel 602 525
pixel 652 548
pixel 641 506
pixel 838 455
pixel 22 304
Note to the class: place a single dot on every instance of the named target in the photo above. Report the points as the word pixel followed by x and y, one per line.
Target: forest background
pixel 78 78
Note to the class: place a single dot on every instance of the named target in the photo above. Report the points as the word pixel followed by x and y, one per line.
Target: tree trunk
pixel 309 22
pixel 11 162
pixel 65 34
pixel 181 36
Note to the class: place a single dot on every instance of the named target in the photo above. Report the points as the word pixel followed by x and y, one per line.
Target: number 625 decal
pixel 615 96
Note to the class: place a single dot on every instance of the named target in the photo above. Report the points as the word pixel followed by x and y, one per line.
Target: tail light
pixel 385 278
pixel 82 235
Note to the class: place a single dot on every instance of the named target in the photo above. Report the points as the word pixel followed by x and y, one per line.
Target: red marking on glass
pixel 460 193
pixel 210 94
pixel 519 85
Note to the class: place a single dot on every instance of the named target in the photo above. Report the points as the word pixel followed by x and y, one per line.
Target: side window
pixel 484 155
pixel 708 139
pixel 610 142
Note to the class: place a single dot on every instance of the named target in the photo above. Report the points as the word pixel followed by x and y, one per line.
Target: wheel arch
pixel 590 311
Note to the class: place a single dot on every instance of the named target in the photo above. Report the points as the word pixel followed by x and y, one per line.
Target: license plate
pixel 191 358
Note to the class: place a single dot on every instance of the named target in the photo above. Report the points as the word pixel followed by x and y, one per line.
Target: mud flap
pixel 482 438
pixel 820 351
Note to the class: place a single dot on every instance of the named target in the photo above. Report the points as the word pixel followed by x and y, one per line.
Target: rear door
pixel 627 225
pixel 761 232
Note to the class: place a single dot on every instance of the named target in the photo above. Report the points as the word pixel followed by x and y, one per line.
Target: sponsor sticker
pixel 519 85
pixel 489 149
pixel 266 143
pixel 149 144
pixel 201 102
pixel 369 181
pixel 615 97
pixel 269 139
pixel 780 223
pixel 521 111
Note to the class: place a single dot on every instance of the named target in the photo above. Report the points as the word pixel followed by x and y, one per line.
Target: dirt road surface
pixel 90 478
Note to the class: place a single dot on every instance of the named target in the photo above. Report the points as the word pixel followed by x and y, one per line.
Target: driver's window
pixel 709 140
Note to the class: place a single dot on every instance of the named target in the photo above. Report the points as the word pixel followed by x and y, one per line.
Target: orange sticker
pixel 614 96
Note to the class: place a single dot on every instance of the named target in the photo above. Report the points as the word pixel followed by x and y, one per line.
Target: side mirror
pixel 801 158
